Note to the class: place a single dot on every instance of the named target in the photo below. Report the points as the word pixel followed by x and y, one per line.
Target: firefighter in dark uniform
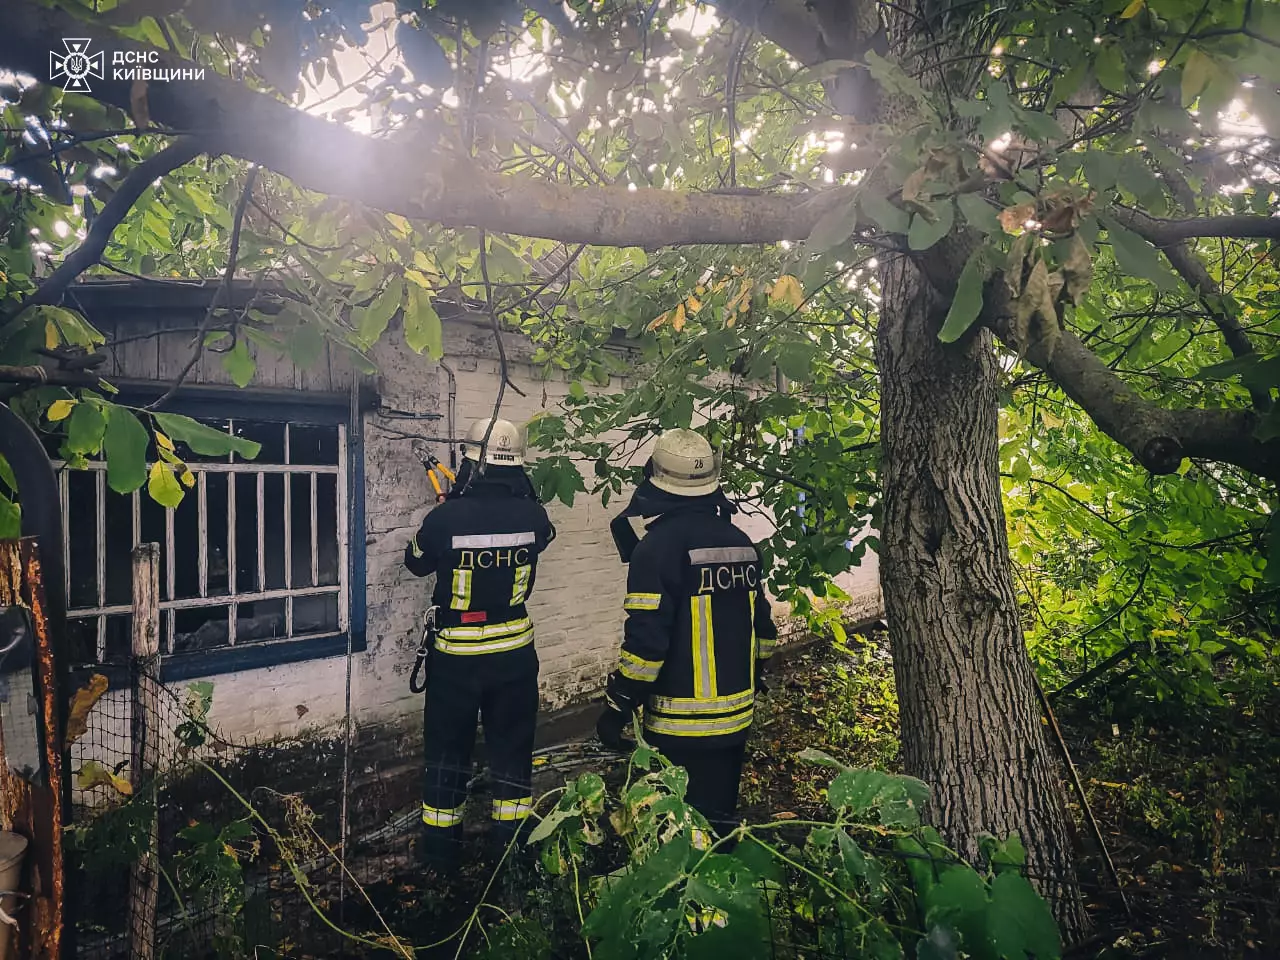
pixel 482 544
pixel 698 626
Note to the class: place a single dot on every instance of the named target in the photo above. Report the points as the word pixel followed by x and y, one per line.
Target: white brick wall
pixel 577 606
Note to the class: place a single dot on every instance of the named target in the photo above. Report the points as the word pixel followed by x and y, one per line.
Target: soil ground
pixel 1187 800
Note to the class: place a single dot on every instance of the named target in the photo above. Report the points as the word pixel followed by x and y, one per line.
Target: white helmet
pixel 506 443
pixel 684 464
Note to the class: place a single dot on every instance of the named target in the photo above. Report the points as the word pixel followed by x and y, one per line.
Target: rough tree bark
pixel 970 720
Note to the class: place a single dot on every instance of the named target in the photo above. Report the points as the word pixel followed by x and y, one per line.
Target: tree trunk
pixel 971 725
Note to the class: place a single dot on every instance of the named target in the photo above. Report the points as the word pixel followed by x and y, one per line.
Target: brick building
pixel 282 578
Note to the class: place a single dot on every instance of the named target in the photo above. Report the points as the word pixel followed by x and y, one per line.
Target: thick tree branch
pixel 1190 267
pixel 396 176
pixel 1164 232
pixel 180 152
pixel 1158 437
pixel 789 24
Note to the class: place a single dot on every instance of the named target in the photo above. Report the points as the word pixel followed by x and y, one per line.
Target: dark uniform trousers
pixel 500 689
pixel 714 777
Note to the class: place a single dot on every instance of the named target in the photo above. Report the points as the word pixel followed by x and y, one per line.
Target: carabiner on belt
pixel 418 679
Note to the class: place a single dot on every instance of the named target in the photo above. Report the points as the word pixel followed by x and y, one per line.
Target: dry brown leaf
pixel 1077 270
pixel 81 703
pixel 1014 218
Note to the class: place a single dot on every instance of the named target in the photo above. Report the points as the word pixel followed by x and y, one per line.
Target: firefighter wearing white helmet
pixel 698 626
pixel 505 447
pixel 482 545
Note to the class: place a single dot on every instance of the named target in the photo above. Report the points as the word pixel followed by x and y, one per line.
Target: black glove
pixel 611 729
pixel 620 707
pixel 762 685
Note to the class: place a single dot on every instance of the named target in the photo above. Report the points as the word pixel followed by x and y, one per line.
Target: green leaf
pixel 10 519
pixel 924 233
pixel 371 321
pixel 125 445
pixel 422 327
pixel 1137 257
pixel 814 755
pixel 1019 921
pixel 978 213
pixel 896 799
pixel 966 304
pixel 163 485
pixel 887 217
pixel 86 428
pixel 959 901
pixel 1196 74
pixel 239 364
pixel 205 440
pixel 1067 84
pixel 834 227
pixel 1109 67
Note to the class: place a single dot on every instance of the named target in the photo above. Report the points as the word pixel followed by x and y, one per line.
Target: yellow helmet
pixel 506 443
pixel 684 464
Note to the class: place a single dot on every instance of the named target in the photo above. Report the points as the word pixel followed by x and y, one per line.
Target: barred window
pixel 256 553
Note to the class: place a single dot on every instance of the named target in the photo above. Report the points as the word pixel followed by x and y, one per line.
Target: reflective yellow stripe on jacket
pixel 704 648
pixel 634 668
pixel 494 638
pixel 642 601
pixel 698 726
pixel 461 599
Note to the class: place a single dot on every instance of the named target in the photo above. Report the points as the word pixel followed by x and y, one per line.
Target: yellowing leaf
pixel 1049 419
pixel 1164 633
pixel 694 304
pixel 188 479
pixel 787 290
pixel 1196 74
pixel 60 410
pixel 660 320
pixel 418 277
pixel 678 319
pixel 163 485
pixel 742 296
pixel 81 703
pixel 399 222
pixel 164 441
pixel 1133 9
pixel 423 262
pixel 51 336
pixel 93 773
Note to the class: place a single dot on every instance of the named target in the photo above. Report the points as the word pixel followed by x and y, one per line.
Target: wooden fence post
pixel 144 762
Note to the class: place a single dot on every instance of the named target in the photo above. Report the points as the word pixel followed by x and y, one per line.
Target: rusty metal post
pixel 31 809
pixel 144 763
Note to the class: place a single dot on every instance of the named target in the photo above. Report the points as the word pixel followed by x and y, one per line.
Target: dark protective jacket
pixel 483 548
pixel 697 624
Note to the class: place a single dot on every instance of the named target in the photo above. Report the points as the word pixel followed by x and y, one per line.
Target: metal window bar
pixel 233 610
pixel 341 507
pixel 170 604
pixel 315 529
pixel 288 537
